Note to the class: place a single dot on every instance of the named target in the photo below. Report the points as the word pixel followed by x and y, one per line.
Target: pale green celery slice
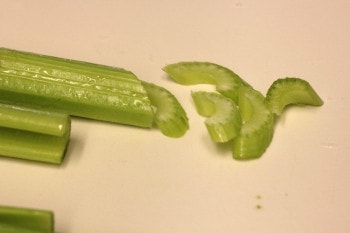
pixel 33 134
pixel 194 72
pixel 223 118
pixel 289 91
pixel 258 125
pixel 170 117
pixel 14 219
pixel 74 87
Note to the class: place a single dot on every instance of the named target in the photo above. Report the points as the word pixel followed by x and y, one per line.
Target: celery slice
pixel 14 219
pixel 288 91
pixel 223 118
pixel 74 87
pixel 33 134
pixel 258 125
pixel 190 73
pixel 170 117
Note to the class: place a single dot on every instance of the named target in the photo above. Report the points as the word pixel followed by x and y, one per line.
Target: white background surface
pixel 123 179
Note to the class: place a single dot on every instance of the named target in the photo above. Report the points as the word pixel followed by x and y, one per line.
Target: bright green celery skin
pixel 16 220
pixel 34 120
pixel 77 88
pixel 194 72
pixel 258 125
pixel 223 118
pixel 288 91
pixel 33 134
pixel 170 117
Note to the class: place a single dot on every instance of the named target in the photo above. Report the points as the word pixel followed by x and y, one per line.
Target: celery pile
pixel 251 130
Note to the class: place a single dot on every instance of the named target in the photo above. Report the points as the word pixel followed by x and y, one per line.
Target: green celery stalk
pixel 74 87
pixel 17 219
pixel 33 134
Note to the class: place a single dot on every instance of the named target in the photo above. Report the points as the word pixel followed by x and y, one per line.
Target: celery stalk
pixel 74 87
pixel 16 219
pixel 33 134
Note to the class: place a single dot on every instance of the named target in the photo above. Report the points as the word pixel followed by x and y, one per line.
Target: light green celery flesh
pixel 258 125
pixel 77 88
pixel 223 118
pixel 170 117
pixel 291 91
pixel 190 73
pixel 38 121
pixel 30 219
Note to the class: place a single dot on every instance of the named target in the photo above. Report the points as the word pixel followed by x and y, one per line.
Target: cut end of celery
pixel 223 119
pixel 257 130
pixel 170 117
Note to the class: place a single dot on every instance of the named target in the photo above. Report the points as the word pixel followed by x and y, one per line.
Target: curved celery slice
pixel 15 219
pixel 33 134
pixel 258 125
pixel 77 88
pixel 190 73
pixel 170 117
pixel 289 91
pixel 223 118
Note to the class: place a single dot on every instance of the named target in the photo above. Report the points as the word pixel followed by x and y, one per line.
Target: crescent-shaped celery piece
pixel 74 87
pixel 195 72
pixel 33 134
pixel 291 91
pixel 257 128
pixel 170 117
pixel 18 219
pixel 223 120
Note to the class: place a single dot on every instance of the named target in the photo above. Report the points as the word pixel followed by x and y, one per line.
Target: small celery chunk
pixel 170 117
pixel 190 73
pixel 287 91
pixel 23 220
pixel 258 125
pixel 74 87
pixel 33 134
pixel 223 118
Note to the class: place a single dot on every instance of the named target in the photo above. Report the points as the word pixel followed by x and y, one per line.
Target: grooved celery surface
pixel 74 87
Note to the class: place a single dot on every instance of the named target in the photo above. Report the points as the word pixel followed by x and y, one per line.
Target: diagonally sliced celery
pixel 291 91
pixel 33 134
pixel 190 73
pixel 12 219
pixel 223 118
pixel 74 87
pixel 258 125
pixel 170 117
